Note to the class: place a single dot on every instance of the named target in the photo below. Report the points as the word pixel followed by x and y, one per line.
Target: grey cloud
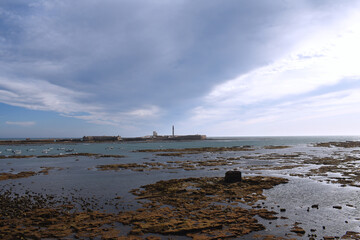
pixel 128 54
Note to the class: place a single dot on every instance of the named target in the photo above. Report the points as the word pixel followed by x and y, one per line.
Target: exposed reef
pixel 276 147
pixel 38 217
pixel 149 166
pixel 199 207
pixel 6 176
pixel 347 144
pixel 196 207
pixel 131 166
pixel 179 152
pixel 26 174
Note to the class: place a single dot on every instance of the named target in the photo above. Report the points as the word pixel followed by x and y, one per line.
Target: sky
pixel 221 68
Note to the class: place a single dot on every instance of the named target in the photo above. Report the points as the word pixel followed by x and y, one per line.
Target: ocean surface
pixel 81 174
pixel 128 147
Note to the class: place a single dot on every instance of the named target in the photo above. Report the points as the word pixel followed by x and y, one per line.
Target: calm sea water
pixel 120 148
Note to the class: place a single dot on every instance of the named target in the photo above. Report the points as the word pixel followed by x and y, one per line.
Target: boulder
pixel 232 176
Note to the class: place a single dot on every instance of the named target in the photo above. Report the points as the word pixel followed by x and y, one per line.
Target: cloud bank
pixel 22 124
pixel 199 65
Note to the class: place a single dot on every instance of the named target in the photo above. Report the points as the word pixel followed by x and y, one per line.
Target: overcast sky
pixel 221 68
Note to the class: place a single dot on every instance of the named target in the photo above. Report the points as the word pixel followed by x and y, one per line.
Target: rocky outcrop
pixel 232 176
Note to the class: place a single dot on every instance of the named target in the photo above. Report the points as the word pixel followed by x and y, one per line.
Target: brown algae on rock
pixel 199 150
pixel 199 207
pixel 148 166
pixel 276 147
pixel 6 176
pixel 37 217
pixel 346 144
pixel 196 207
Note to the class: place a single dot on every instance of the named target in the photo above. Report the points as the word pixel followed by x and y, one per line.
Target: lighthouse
pixel 173 131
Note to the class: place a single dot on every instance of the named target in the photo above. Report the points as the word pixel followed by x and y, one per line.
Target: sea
pixel 81 174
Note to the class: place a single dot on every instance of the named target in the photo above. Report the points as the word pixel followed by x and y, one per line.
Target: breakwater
pixel 92 139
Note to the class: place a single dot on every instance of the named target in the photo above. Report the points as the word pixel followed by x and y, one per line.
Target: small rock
pixel 337 207
pixel 232 176
pixel 298 230
pixel 315 206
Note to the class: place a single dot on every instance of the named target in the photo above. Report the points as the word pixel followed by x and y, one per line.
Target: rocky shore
pixel 229 205
pixel 188 207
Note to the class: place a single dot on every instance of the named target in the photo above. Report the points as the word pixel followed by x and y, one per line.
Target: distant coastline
pixel 95 139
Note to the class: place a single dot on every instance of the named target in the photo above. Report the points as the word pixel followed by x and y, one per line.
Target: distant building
pixel 155 134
